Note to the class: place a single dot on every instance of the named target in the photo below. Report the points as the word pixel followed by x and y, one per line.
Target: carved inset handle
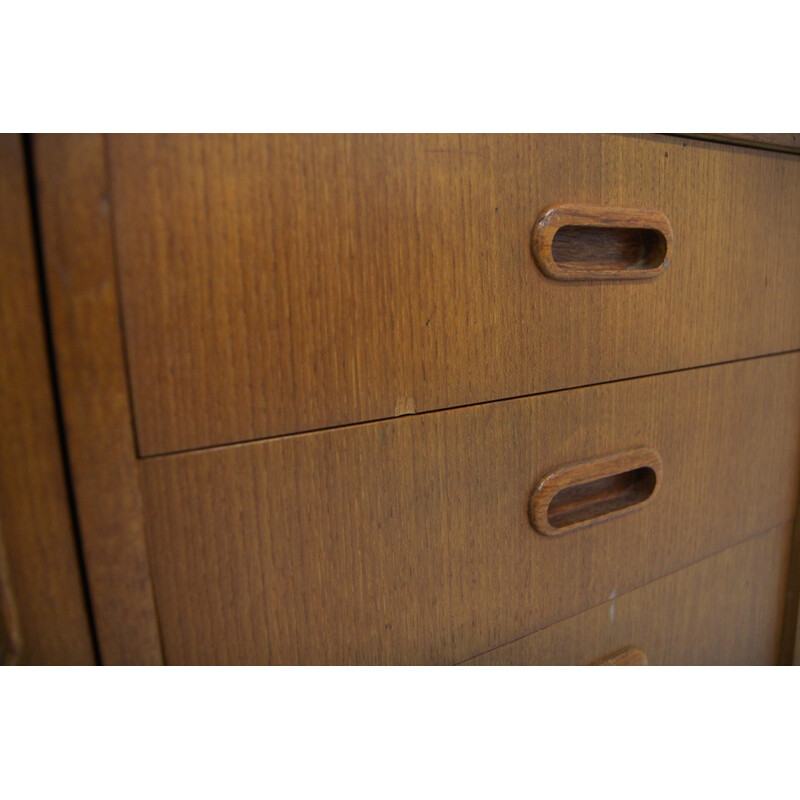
pixel 629 657
pixel 580 243
pixel 593 491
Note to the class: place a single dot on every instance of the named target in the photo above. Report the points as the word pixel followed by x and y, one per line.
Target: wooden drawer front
pixel 273 284
pixel 726 609
pixel 408 541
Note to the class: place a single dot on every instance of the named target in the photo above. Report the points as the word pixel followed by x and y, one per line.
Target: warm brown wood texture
pixel 408 541
pixel 576 495
pixel 91 373
pixel 724 610
pixel 787 142
pixel 44 608
pixel 629 657
pixel 10 633
pixel 790 642
pixel 579 243
pixel 273 284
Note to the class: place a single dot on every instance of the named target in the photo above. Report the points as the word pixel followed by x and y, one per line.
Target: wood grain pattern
pixel 408 541
pixel 628 657
pixel 723 610
pixel 792 616
pixel 46 620
pixel 10 632
pixel 91 373
pixel 274 284
pixel 790 641
pixel 785 142
pixel 573 242
pixel 593 491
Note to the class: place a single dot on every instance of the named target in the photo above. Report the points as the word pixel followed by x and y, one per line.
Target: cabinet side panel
pixel 79 270
pixel 45 618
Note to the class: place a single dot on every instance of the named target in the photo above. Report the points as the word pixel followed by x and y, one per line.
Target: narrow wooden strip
pixel 790 641
pixel 10 633
pixel 793 601
pixel 80 274
pixel 46 614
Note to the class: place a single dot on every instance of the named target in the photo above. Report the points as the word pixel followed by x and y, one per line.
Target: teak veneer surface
pixel 628 657
pixel 408 540
pixel 84 313
pixel 42 600
pixel 275 284
pixel 726 609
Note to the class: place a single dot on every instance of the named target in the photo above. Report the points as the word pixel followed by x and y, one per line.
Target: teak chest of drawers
pixel 428 399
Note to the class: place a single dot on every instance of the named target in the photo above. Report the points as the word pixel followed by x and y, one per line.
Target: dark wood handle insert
pixel 574 242
pixel 593 491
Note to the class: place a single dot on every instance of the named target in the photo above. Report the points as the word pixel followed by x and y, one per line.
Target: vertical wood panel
pixel 790 641
pixel 79 266
pixel 43 601
pixel 10 632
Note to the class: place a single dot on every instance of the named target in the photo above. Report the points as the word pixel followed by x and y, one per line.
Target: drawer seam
pixel 748 538
pixel 377 420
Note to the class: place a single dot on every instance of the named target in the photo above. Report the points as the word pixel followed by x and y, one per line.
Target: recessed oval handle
pixel 579 243
pixel 588 492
